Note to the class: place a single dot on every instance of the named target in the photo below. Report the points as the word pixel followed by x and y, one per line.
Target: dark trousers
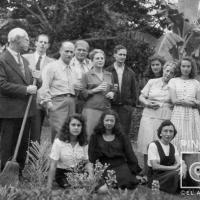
pixel 10 129
pixel 125 113
pixel 36 125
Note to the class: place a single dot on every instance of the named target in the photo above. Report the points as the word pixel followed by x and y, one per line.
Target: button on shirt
pixel 67 155
pixel 57 79
pixel 119 71
pixel 156 90
pixel 81 68
pixel 90 81
pixel 185 89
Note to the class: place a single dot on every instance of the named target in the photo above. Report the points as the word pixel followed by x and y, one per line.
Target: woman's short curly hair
pixel 163 124
pixel 193 64
pixel 64 134
pixel 94 52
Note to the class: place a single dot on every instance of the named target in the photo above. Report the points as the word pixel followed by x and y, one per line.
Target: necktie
pixel 38 63
pixel 20 63
pixel 69 77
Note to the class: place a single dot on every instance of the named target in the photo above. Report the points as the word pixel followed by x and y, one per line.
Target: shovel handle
pixel 23 124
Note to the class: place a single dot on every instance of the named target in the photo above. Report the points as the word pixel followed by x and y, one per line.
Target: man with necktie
pixel 81 65
pixel 58 88
pixel 37 62
pixel 15 88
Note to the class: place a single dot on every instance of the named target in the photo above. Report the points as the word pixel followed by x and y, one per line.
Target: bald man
pixel 57 93
pixel 15 89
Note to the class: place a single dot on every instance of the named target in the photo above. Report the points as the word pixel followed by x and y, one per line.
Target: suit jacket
pixel 32 61
pixel 13 85
pixel 128 94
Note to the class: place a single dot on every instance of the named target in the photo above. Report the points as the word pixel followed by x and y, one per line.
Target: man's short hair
pixel 82 42
pixel 119 47
pixel 42 34
pixel 15 33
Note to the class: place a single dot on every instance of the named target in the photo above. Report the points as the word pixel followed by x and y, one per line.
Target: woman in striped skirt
pixel 185 95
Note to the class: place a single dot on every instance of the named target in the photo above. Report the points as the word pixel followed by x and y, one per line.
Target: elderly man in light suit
pixel 37 62
pixel 15 88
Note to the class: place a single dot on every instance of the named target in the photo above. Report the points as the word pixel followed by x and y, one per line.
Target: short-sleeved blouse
pixel 156 90
pixel 153 153
pixel 66 155
pixel 185 89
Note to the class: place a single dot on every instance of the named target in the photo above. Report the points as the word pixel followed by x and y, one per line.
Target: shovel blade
pixel 10 174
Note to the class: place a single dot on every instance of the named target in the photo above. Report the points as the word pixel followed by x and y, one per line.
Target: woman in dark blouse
pixel 109 145
pixel 97 91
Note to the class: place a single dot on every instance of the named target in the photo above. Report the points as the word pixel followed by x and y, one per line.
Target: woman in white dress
pixel 185 95
pixel 157 108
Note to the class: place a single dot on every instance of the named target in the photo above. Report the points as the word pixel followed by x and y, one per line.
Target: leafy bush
pixel 36 169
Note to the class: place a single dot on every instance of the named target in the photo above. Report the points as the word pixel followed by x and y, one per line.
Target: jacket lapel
pixel 124 78
pixel 14 65
pixel 27 71
pixel 115 77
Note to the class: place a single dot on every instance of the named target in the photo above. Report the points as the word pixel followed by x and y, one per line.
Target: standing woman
pixel 97 90
pixel 157 108
pixel 185 95
pixel 68 151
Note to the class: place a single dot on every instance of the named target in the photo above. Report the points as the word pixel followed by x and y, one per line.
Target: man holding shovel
pixel 16 86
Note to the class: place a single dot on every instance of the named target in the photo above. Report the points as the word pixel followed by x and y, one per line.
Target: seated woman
pixel 109 145
pixel 163 159
pixel 68 150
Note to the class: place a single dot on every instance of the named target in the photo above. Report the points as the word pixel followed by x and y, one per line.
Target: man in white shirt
pixel 81 65
pixel 57 93
pixel 37 62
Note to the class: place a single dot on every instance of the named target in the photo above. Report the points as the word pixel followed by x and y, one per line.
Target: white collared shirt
pixel 81 68
pixel 36 57
pixel 15 55
pixel 153 153
pixel 120 71
pixel 57 79
pixel 66 155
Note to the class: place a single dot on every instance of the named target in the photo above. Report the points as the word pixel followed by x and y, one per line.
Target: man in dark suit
pixel 15 88
pixel 124 80
pixel 37 62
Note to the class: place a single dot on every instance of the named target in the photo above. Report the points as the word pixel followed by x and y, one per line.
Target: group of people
pixel 171 100
pixel 89 109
